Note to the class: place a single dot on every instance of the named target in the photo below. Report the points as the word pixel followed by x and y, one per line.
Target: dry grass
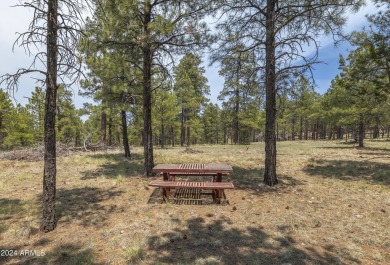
pixel 331 207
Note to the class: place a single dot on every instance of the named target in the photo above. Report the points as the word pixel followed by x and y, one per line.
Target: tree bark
pixel 49 221
pixel 301 128
pixel 236 125
pixel 361 133
pixel 109 130
pixel 172 136
pixel 182 129
pixel 293 130
pixel 188 136
pixel 147 94
pixel 270 140
pixel 162 135
pixel 306 131
pixel 103 126
pixel 125 138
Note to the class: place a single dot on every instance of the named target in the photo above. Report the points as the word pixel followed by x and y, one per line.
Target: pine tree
pixel 190 88
pixel 6 115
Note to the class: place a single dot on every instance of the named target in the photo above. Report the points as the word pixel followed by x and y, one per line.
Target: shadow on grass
pixel 67 254
pixel 200 241
pixel 118 166
pixel 252 179
pixel 187 197
pixel 9 209
pixel 86 205
pixel 384 150
pixel 379 140
pixel 348 170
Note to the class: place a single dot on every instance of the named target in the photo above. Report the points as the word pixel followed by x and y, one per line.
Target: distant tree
pixel 19 132
pixel 6 113
pixel 211 119
pixel 165 111
pixel 190 88
pixel 241 87
pixel 364 87
pixel 69 124
pixel 376 41
pixel 304 96
pixel 36 106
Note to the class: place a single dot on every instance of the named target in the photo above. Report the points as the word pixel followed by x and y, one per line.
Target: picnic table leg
pixel 217 196
pixel 217 193
pixel 165 192
pixel 219 177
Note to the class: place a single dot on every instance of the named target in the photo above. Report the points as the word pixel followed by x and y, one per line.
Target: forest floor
pixel 332 206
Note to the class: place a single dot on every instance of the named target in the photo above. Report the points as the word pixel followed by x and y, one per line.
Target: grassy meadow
pixel 332 206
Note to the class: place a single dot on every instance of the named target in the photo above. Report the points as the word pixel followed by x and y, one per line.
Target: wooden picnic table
pixel 171 170
pixel 216 170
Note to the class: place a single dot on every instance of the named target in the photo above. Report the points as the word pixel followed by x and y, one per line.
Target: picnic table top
pixel 193 168
pixel 191 184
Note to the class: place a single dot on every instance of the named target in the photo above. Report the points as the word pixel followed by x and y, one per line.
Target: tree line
pixel 182 115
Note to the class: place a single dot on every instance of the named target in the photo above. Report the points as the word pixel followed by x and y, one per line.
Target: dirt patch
pixel 37 153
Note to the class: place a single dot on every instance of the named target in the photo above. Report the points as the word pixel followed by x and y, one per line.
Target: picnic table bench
pixel 170 171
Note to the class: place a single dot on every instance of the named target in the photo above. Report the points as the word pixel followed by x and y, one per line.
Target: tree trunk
pixel 103 126
pixel 376 132
pixel 182 129
pixel 162 135
pixel 2 135
pixel 125 139
pixel 173 136
pixel 147 95
pixel 306 131
pixel 361 133
pixel 313 132
pixel 236 126
pixel 270 140
pixel 293 130
pixel 301 128
pixel 49 222
pixel 330 136
pixel 188 136
pixel 110 130
pixel 339 133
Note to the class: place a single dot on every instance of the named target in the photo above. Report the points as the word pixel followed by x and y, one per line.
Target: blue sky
pixel 14 19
